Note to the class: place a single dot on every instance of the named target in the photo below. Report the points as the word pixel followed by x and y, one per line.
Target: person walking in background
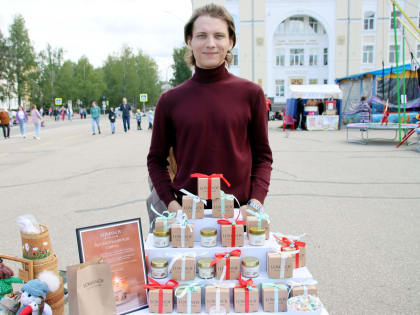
pixel 21 119
pixel 41 111
pixel 56 114
pixel 5 122
pixel 63 113
pixel 69 114
pixel 125 109
pixel 150 117
pixel 112 117
pixel 36 120
pixel 138 118
pixel 95 113
pixel 268 105
pixel 364 110
pixel 50 110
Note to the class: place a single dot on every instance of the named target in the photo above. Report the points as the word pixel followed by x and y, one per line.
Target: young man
pixel 5 123
pixel 95 113
pixel 215 122
pixel 125 109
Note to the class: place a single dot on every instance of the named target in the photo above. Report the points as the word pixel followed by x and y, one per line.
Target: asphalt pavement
pixel 358 204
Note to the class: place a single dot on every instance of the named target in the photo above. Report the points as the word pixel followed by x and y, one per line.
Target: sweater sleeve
pixel 260 147
pixel 161 142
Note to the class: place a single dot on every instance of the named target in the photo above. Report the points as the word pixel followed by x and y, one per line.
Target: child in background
pixel 112 117
pixel 138 118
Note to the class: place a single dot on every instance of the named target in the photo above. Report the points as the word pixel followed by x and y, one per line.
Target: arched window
pixel 369 21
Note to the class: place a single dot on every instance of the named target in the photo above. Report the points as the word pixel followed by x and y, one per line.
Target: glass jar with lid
pixel 205 271
pixel 159 268
pixel 161 238
pixel 250 267
pixel 256 236
pixel 208 237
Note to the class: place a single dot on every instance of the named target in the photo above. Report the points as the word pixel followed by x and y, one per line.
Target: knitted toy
pixel 34 293
pixel 6 279
pixel 9 304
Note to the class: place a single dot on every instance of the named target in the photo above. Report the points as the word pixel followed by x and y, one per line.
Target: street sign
pixel 143 98
pixel 58 101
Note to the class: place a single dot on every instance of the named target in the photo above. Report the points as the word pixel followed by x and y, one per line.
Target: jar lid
pixel 159 262
pixel 160 232
pixel 250 261
pixel 256 230
pixel 204 262
pixel 208 231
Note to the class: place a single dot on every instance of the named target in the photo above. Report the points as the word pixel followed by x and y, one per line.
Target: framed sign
pixel 120 244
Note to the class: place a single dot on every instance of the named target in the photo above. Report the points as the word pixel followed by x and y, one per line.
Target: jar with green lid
pixel 205 271
pixel 250 267
pixel 159 268
pixel 208 237
pixel 256 236
pixel 161 238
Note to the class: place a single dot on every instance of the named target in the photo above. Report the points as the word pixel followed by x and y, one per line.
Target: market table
pixel 365 127
pixel 322 122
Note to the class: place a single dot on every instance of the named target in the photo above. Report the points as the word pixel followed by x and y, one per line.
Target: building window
pixel 279 87
pixel 313 59
pixel 325 81
pixel 418 51
pixel 235 57
pixel 280 57
pixel 392 53
pixel 368 54
pixel 369 21
pixel 313 24
pixel 296 24
pixel 325 56
pixel 398 14
pixel 297 57
pixel 313 81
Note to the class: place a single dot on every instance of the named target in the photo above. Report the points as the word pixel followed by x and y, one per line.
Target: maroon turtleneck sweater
pixel 216 123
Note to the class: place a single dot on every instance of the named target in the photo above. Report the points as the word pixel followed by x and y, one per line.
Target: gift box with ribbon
pixel 245 297
pixel 260 219
pixel 296 246
pixel 182 267
pixel 192 205
pixel 188 298
pixel 208 186
pixel 161 296
pixel 224 207
pixel 303 287
pixel 217 296
pixel 163 220
pixel 274 297
pixel 231 233
pixel 182 232
pixel 228 265
pixel 280 265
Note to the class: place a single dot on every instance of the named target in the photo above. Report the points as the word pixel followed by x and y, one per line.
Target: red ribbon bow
pixel 209 177
pixel 296 244
pixel 246 285
pixel 227 255
pixel 170 284
pixel 227 222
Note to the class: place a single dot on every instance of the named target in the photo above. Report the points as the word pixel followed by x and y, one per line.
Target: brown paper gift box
pixel 239 300
pixel 210 298
pixel 253 221
pixel 203 188
pixel 229 208
pixel 176 235
pixel 159 223
pixel 274 266
pixel 299 290
pixel 167 300
pixel 187 205
pixel 226 235
pixel 181 303
pixel 235 268
pixel 268 299
pixel 302 255
pixel 176 270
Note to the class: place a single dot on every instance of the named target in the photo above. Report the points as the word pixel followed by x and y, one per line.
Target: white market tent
pixel 316 91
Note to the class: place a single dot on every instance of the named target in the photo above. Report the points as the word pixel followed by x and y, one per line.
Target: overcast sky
pixel 97 28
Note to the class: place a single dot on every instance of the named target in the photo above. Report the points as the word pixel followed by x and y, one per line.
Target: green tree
pixel 66 81
pixel 22 57
pixel 89 82
pixel 181 69
pixel 3 67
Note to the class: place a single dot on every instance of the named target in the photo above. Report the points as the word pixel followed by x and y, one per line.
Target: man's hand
pixel 174 206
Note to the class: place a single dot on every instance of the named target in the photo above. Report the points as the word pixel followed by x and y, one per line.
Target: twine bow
pixel 195 199
pixel 165 216
pixel 209 177
pixel 226 267
pixel 261 216
pixel 153 284
pixel 187 289
pixel 276 287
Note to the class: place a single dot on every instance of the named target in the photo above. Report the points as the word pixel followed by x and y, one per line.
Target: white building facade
pixel 283 42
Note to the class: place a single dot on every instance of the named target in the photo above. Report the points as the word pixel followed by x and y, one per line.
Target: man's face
pixel 124 101
pixel 210 42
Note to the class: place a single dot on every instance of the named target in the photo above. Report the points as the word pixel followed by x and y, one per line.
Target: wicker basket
pixel 58 308
pixel 36 246
pixel 49 263
pixel 56 296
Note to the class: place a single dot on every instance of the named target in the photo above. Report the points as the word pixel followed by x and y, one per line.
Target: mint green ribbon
pixel 187 289
pixel 223 197
pixel 165 216
pixel 183 221
pixel 276 293
pixel 260 216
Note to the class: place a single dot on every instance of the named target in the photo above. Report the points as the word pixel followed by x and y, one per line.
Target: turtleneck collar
pixel 210 75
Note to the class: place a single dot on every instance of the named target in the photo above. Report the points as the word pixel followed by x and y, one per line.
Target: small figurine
pixel 34 293
pixel 6 279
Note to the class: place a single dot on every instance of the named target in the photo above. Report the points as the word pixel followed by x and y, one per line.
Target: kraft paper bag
pixel 90 289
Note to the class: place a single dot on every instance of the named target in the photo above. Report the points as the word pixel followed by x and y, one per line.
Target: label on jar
pixel 161 241
pixel 209 241
pixel 257 240
pixel 206 273
pixel 159 273
pixel 250 272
